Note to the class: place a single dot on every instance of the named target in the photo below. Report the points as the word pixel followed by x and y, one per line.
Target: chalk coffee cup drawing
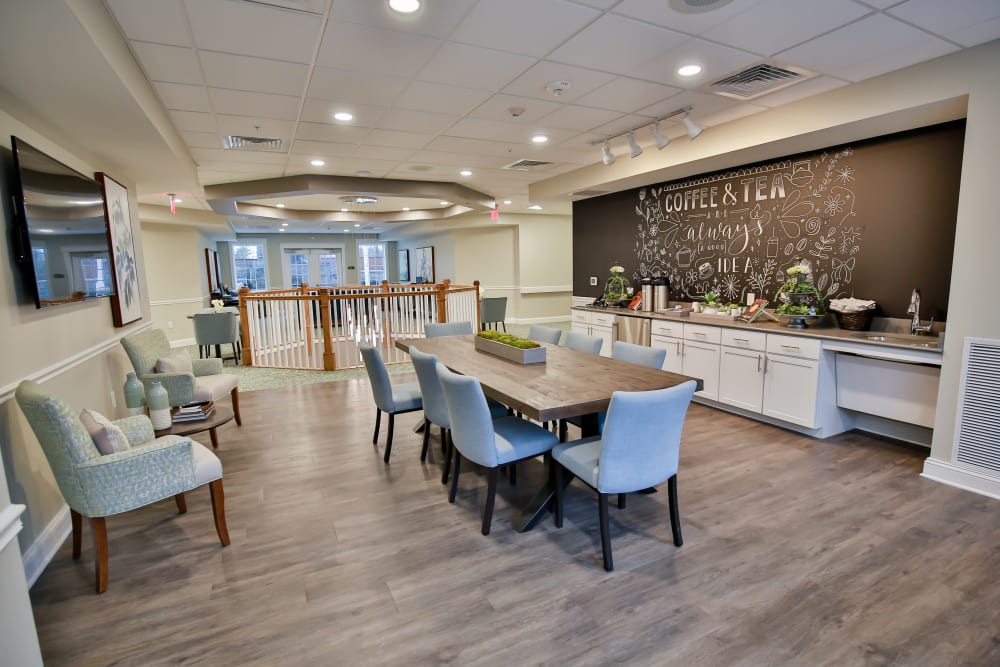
pixel 705 269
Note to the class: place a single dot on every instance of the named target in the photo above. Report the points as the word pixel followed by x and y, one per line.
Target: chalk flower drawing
pixel 730 287
pixel 845 174
pixel 834 204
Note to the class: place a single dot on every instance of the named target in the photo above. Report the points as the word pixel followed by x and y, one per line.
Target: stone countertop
pixel 825 328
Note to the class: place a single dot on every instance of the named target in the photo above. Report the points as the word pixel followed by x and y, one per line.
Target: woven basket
pixel 858 320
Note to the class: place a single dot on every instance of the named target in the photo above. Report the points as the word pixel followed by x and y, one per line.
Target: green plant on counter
pixel 798 289
pixel 508 339
pixel 711 299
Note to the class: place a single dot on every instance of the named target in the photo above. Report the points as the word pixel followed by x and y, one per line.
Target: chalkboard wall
pixel 874 219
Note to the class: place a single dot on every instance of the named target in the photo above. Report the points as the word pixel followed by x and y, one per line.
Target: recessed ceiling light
pixel 364 173
pixel 404 6
pixel 406 208
pixel 347 231
pixel 284 224
pixel 444 203
pixel 539 138
pixel 343 210
pixel 535 207
pixel 282 229
pixel 689 70
pixel 317 163
pixel 357 225
pixel 45 231
pixel 280 205
pixel 508 202
pixel 465 172
pixel 178 200
pixel 343 115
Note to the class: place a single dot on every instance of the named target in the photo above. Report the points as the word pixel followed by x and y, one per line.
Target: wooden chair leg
pixel 378 423
pixel 622 502
pixel 77 520
pixel 427 440
pixel 235 393
pixel 100 530
pixel 675 513
pixel 559 494
pixel 219 511
pixel 447 460
pixel 388 438
pixel 182 506
pixel 602 511
pixel 491 497
pixel 454 476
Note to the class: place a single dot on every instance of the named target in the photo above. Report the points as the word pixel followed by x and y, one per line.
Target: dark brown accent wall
pixel 874 219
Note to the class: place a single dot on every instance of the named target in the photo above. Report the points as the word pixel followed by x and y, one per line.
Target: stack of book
pixel 192 412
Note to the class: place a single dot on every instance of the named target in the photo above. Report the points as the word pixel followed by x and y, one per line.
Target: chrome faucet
pixel 915 327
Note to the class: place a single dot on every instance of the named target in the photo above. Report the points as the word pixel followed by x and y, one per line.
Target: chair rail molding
pixel 545 289
pixel 10 524
pixel 172 302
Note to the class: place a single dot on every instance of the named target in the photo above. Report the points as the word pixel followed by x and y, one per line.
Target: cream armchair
pixel 206 383
pixel 97 486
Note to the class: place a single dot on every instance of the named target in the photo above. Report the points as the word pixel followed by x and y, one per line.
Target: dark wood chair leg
pixel 563 430
pixel 675 513
pixel 512 474
pixel 427 440
pixel 100 530
pixel 219 511
pixel 444 442
pixel 235 393
pixel 182 506
pixel 454 476
pixel 559 494
pixel 77 520
pixel 215 438
pixel 602 511
pixel 491 497
pixel 447 460
pixel 388 438
pixel 622 501
pixel 378 423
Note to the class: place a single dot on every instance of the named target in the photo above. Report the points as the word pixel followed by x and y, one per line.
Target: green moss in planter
pixel 508 339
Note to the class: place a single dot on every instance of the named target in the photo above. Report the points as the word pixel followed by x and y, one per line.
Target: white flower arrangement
pixel 799 269
pixel 218 304
pixel 617 269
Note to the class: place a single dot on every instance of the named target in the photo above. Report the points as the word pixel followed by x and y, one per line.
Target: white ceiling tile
pixel 881 4
pixel 574 117
pixel 617 44
pixel 977 22
pixel 224 70
pixel 323 149
pixel 398 139
pixel 193 121
pixel 703 104
pixel 406 120
pixel 471 160
pixel 775 25
pixel 800 91
pixel 660 13
pixel 202 139
pixel 173 64
pixel 209 155
pixel 332 132
pixel 384 153
pixel 439 98
pixel 533 82
pixel 160 21
pixel 216 174
pixel 254 30
pixel 529 27
pixel 872 46
pixel 598 4
pixel 449 144
pixel 628 95
pixel 352 46
pixel 583 141
pixel 354 87
pixel 257 105
pixel 493 130
pixel 321 111
pixel 498 106
pixel 474 67
pixel 183 97
pixel 433 18
pixel 622 124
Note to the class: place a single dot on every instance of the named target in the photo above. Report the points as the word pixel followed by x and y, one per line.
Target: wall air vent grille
pixel 759 80
pixel 978 421
pixel 524 165
pixel 241 143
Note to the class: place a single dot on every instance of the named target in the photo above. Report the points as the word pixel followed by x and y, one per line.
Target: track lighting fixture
pixel 607 157
pixel 661 139
pixel 693 129
pixel 633 147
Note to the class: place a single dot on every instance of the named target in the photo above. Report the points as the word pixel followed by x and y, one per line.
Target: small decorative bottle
pixel 135 395
pixel 159 406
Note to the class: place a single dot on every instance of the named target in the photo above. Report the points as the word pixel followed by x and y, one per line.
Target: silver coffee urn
pixel 661 292
pixel 648 296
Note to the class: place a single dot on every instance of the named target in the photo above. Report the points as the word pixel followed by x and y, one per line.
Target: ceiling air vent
pixel 589 193
pixel 239 143
pixel 524 165
pixel 759 80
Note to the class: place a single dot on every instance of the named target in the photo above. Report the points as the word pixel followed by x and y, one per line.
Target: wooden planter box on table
pixel 535 355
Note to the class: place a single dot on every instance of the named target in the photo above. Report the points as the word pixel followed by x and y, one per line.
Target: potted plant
pixel 799 299
pixel 616 287
pixel 710 303
pixel 508 346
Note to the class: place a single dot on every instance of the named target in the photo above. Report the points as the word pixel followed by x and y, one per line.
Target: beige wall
pixel 175 268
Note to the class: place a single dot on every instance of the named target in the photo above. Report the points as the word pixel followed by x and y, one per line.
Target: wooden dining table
pixel 568 384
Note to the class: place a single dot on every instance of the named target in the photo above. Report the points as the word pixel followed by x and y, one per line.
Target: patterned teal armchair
pixel 207 382
pixel 97 486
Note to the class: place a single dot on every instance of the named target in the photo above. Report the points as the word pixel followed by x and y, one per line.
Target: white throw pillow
pixel 178 362
pixel 108 438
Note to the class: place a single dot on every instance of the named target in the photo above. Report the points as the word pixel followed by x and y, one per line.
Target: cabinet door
pixel 673 362
pixel 701 360
pixel 605 332
pixel 790 389
pixel 741 378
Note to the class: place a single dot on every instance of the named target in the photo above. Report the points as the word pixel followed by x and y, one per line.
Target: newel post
pixel 477 325
pixel 245 327
pixel 329 356
pixel 442 301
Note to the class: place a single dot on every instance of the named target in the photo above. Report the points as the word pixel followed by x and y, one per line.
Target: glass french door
pixel 318 267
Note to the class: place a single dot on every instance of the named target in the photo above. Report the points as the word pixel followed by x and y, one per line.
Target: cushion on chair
pixel 207 466
pixel 518 439
pixel 107 437
pixel 177 362
pixel 213 387
pixel 580 457
pixel 406 396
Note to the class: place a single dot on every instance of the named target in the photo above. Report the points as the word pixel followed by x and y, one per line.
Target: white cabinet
pixel 596 324
pixel 701 358
pixel 741 369
pixel 669 336
pixel 791 379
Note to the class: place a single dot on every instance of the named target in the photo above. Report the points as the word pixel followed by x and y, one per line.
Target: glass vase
pixel 135 395
pixel 159 406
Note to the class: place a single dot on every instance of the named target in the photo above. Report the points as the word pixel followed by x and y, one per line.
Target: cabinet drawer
pixel 793 346
pixel 603 319
pixel 702 334
pixel 746 340
pixel 581 317
pixel 668 329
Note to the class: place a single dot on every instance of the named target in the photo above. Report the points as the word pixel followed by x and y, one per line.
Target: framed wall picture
pixel 404 266
pixel 423 264
pixel 125 303
pixel 212 270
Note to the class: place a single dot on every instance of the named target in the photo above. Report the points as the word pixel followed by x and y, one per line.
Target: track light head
pixel 607 156
pixel 633 147
pixel 693 129
pixel 661 139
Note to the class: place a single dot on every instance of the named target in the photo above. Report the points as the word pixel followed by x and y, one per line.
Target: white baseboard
pixel 537 320
pixel 183 342
pixel 968 480
pixel 45 546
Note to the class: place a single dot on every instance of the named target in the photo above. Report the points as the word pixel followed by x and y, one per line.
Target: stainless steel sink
pixel 899 339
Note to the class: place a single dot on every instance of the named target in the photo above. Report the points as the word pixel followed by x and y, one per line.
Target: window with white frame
pixel 249 265
pixel 371 262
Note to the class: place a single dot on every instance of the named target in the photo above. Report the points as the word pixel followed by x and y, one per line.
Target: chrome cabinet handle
pixel 790 347
pixel 742 340
pixel 758 363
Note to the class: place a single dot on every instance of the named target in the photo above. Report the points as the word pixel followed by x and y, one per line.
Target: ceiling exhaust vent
pixel 239 143
pixel 589 193
pixel 759 80
pixel 525 165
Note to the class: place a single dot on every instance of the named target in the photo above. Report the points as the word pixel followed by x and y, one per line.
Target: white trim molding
pixel 10 524
pixel 947 473
pixel 183 342
pixel 545 289
pixel 173 302
pixel 45 547
pixel 538 320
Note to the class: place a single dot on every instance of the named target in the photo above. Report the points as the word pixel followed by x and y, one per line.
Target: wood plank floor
pixel 796 552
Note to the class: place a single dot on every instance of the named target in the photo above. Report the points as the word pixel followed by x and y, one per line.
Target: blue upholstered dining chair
pixel 489 442
pixel 540 334
pixel 639 448
pixel 435 329
pixel 393 399
pixel 494 311
pixel 582 342
pixel 217 329
pixel 97 486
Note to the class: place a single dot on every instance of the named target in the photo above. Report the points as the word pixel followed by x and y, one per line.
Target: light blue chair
pixel 638 354
pixel 494 311
pixel 639 448
pixel 582 342
pixel 435 329
pixel 540 334
pixel 393 399
pixel 481 439
pixel 97 486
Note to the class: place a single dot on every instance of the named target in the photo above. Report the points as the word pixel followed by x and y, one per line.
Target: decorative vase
pixel 159 406
pixel 135 395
